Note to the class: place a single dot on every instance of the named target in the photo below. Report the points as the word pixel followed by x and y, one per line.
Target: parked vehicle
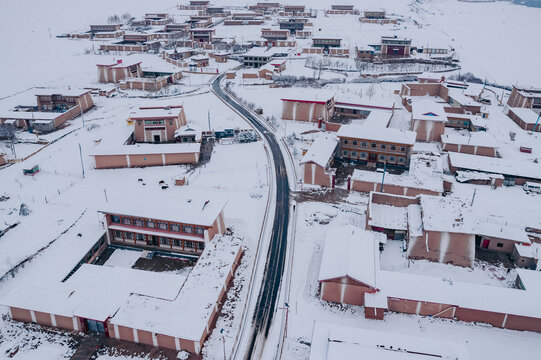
pixel 532 187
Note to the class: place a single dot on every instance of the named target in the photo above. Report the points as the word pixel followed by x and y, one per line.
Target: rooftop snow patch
pixel 159 113
pixel 321 151
pixel 350 251
pixel 335 342
pixel 189 209
pixel 377 134
pixel 146 149
pixel 495 165
pixel 527 115
pixel 447 214
pixel 474 139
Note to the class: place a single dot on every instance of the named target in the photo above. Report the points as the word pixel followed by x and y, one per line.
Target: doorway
pixel 157 138
pixel 94 326
pixel 154 241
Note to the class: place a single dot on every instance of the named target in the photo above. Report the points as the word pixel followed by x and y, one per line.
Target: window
pixel 374 145
pixel 393 147
pixel 154 122
pixel 346 141
pixel 345 153
pixel 175 227
pixel 383 146
pixel 364 144
pixel 187 229
pixel 126 221
pixel 139 123
pixel 201 245
pixel 115 219
pixel 128 235
pixel 170 122
pixel 162 226
pixel 151 224
pixel 392 159
pixel 354 142
pixel 177 242
pixel 139 222
pixel 140 237
pixel 118 234
pixel 499 244
pixel 188 244
pixel 164 241
pixel 401 160
pixel 199 231
pixel 403 149
pixel 382 158
pixel 363 155
pixel 354 154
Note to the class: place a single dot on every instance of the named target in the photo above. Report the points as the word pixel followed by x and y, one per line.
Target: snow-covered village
pixel 304 180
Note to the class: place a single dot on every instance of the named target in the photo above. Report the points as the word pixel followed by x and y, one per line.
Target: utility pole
pixel 383 177
pixel 223 341
pixel 81 156
pixel 208 114
pixel 536 122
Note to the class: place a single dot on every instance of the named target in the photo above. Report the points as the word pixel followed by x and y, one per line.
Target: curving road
pixel 276 256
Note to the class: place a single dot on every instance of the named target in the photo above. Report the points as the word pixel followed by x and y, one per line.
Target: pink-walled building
pixel 316 163
pixel 308 109
pixel 157 124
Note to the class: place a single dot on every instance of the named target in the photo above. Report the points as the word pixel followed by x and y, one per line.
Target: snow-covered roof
pixel 379 118
pixel 193 209
pixel 106 288
pixel 305 95
pixel 375 133
pixel 463 176
pixel 474 139
pixel 121 65
pixel 388 216
pixel 188 130
pixel 447 214
pixel 350 251
pixel 63 92
pixel 527 115
pixel 146 149
pixel 337 342
pixel 188 315
pixel 425 173
pixel 459 97
pixel 495 165
pixel 499 228
pixel 159 113
pixel 321 151
pixel 428 110
pixel 259 51
pixel 29 115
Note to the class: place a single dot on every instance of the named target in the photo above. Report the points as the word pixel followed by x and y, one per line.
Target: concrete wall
pixel 143 160
pixel 445 247
pixel 428 131
pixel 305 111
pixel 344 290
pixel 367 186
pixel 314 174
pixel 470 149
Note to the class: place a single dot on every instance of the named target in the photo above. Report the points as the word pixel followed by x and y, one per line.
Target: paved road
pixel 276 257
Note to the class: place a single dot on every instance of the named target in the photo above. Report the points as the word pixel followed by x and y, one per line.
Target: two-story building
pixel 177 224
pixel 376 145
pixel 526 97
pixel 157 124
pixel 395 46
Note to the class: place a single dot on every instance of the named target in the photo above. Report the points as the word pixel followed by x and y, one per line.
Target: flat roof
pixel 527 115
pixel 156 113
pixel 474 139
pixel 375 133
pixel 337 342
pixel 195 209
pixel 447 214
pixel 29 115
pixel 518 168
pixel 61 92
pixel 428 110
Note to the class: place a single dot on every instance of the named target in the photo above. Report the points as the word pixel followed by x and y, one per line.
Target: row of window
pixel 160 225
pixel 158 240
pixel 459 122
pixel 381 158
pixel 374 145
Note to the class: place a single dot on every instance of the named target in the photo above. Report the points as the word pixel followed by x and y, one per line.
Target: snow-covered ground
pixel 494 40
